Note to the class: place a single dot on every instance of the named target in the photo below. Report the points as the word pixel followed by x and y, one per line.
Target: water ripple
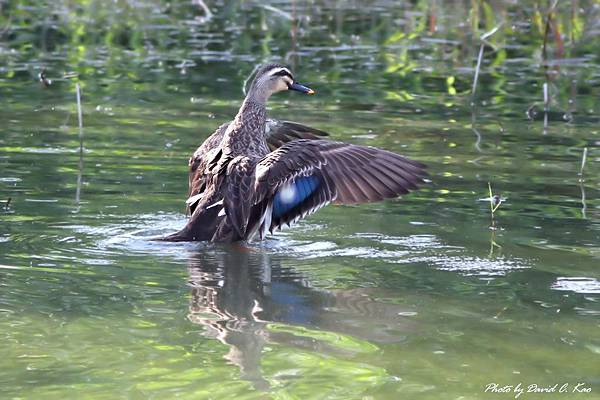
pixel 412 249
pixel 577 284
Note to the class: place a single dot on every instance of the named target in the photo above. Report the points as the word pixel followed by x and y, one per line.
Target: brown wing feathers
pixel 370 174
pixel 349 174
pixel 279 133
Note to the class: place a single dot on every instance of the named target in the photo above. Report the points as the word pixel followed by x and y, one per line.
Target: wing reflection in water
pixel 247 300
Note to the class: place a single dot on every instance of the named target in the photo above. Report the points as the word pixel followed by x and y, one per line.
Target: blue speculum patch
pixel 294 193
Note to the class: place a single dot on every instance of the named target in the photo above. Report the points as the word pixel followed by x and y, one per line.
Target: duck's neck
pixel 246 133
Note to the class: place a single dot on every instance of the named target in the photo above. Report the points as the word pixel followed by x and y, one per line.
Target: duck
pixel 255 175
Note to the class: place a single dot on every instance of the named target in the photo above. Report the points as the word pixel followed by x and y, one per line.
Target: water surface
pixel 412 298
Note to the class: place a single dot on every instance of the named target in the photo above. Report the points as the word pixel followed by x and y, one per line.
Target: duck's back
pixel 277 133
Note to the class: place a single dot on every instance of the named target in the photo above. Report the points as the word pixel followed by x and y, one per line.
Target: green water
pixel 414 298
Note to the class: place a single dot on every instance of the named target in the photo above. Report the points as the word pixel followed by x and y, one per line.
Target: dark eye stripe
pixel 283 72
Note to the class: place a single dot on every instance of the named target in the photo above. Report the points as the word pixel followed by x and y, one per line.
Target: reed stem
pixel 80 119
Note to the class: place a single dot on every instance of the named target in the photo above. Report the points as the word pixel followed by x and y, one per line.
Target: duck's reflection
pixel 226 297
pixel 236 293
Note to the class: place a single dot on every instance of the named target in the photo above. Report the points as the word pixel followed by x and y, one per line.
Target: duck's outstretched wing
pixel 277 134
pixel 304 175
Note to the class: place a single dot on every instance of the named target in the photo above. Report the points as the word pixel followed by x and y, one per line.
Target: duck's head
pixel 273 78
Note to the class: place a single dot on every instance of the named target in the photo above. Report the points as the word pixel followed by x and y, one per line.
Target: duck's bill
pixel 301 88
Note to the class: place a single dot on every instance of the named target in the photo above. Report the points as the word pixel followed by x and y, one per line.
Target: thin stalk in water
pixel 495 202
pixel 581 181
pixel 483 40
pixel 80 118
